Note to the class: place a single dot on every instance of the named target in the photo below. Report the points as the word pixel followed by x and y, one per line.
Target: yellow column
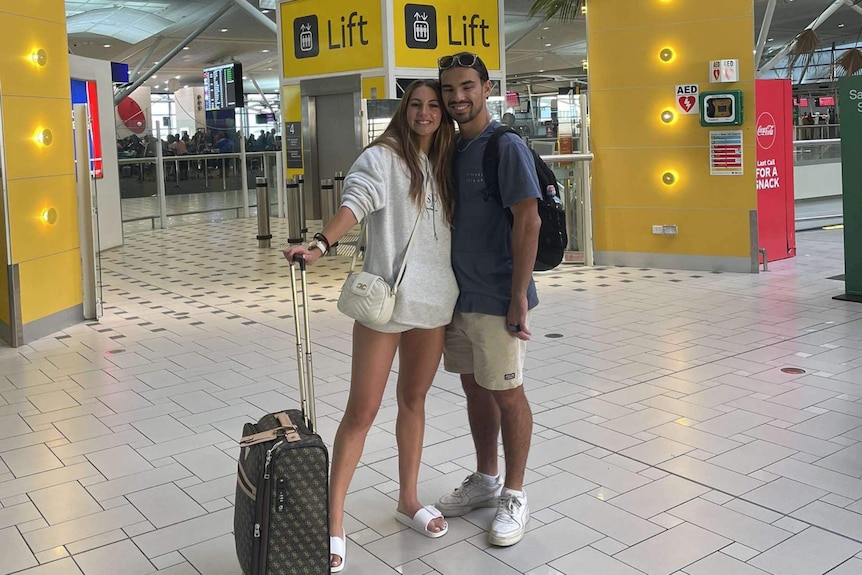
pixel 40 243
pixel 631 85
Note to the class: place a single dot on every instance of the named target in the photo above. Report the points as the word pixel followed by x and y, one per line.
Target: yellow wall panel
pixel 378 82
pixel 630 88
pixel 22 119
pixel 33 238
pixel 49 10
pixel 291 103
pixel 651 13
pixel 694 46
pixel 23 37
pixel 50 285
pixel 4 279
pixel 623 230
pixel 632 178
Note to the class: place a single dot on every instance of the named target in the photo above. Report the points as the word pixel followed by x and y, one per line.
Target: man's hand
pixel 516 319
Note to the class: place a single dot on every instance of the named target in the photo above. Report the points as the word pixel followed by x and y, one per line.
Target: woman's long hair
pixel 405 142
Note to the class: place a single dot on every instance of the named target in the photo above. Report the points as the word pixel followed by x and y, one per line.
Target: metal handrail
pixel 816 142
pixel 560 158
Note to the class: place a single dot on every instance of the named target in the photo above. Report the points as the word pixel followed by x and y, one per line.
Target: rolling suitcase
pixel 281 513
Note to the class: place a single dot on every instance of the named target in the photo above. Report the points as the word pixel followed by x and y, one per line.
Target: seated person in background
pixel 225 144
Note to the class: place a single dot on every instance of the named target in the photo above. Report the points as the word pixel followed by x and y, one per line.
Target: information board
pixel 293 144
pixel 223 87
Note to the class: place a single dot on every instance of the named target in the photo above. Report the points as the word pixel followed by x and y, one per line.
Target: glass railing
pixel 817 132
pixel 816 151
pixel 192 188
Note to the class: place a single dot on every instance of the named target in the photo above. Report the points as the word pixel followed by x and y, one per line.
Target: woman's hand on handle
pixel 293 252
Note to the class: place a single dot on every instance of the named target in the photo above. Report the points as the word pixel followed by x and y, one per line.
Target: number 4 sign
pixel 687 99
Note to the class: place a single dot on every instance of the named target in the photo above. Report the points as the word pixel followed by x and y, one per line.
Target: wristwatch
pixel 317 244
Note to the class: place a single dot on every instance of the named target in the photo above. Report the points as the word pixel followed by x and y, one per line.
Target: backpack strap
pixel 491 161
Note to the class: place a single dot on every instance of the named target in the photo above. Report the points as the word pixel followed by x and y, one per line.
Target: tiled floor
pixel 667 438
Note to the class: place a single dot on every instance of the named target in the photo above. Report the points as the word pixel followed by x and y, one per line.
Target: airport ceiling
pixel 544 56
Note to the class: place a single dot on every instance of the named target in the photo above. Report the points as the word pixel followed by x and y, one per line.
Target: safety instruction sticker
pixel 725 153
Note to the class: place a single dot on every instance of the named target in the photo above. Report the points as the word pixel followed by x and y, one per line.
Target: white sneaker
pixel 511 521
pixel 472 494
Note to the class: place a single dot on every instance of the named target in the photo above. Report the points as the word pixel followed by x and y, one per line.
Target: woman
pixel 405 172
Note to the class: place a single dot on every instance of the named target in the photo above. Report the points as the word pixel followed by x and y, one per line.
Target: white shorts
pixel 481 344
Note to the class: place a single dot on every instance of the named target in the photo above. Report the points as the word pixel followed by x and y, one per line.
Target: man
pixel 494 242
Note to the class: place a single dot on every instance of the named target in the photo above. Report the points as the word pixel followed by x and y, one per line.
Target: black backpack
pixel 553 238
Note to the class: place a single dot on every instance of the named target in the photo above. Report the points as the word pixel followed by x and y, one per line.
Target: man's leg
pixel 484 415
pixel 480 489
pixel 516 421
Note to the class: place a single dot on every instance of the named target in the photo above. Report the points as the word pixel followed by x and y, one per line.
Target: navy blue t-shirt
pixel 482 232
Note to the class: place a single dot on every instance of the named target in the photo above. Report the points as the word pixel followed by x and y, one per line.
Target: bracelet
pixel 322 238
pixel 315 243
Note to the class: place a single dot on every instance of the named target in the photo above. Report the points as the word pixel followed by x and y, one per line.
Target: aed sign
pixel 326 37
pixel 721 71
pixel 425 31
pixel 721 108
pixel 687 99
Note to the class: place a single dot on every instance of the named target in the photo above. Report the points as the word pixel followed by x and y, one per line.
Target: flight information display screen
pixel 223 87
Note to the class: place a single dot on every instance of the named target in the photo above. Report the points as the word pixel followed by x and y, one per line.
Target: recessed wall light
pixel 49 216
pixel 106 46
pixel 265 51
pixel 44 137
pixel 547 45
pixel 185 47
pixel 39 57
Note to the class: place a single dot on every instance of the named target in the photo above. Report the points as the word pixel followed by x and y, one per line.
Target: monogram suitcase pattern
pixel 281 519
pixel 281 512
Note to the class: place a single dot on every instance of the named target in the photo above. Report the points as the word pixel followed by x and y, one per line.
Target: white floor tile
pixel 64 502
pixel 672 550
pixel 811 551
pixel 589 560
pixel 122 557
pixel 16 555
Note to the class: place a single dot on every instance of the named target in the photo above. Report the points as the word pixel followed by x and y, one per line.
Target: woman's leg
pixel 373 353
pixel 419 358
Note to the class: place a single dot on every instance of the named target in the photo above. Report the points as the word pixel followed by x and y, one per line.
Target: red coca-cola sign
pixel 765 131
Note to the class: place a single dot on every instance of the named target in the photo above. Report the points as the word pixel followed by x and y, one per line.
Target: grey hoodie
pixel 377 187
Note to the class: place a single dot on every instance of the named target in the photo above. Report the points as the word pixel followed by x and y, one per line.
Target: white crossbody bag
pixel 368 298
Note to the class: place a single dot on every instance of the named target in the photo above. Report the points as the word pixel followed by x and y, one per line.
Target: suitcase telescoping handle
pixel 303 357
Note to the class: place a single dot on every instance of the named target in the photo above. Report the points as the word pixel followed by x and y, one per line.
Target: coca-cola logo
pixel 766 131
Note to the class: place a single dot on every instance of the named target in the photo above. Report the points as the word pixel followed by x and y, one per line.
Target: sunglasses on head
pixel 462 60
